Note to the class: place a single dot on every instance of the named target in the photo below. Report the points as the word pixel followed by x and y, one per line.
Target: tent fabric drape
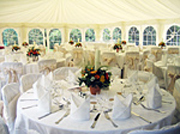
pixel 73 12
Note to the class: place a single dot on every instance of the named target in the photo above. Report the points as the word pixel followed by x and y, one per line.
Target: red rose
pixel 107 76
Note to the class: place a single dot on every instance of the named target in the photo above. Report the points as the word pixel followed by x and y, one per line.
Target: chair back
pixel 3 127
pixel 176 94
pixel 46 66
pixel 78 56
pixel 62 72
pixel 109 59
pixel 173 50
pixel 12 71
pixel 27 81
pixel 10 95
pixel 157 52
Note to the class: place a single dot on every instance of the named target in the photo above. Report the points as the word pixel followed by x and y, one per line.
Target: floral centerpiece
pixel 71 42
pixel 78 44
pixel 117 46
pixel 25 44
pixel 162 44
pixel 95 79
pixel 15 48
pixel 33 52
pixel 123 42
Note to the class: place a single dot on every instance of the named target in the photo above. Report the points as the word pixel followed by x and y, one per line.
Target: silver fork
pixel 157 110
pixel 65 115
pixel 107 117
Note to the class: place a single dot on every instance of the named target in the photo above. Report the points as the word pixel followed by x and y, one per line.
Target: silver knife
pixel 49 113
pixel 95 120
pixel 141 117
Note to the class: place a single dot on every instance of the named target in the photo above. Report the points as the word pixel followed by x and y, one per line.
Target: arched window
pixel 133 36
pixel 173 35
pixel 35 35
pixel 117 34
pixel 90 35
pixel 75 35
pixel 54 37
pixel 149 36
pixel 106 35
pixel 10 37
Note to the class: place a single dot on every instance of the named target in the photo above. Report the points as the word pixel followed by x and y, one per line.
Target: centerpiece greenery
pixel 78 44
pixel 33 52
pixel 25 44
pixel 15 47
pixel 71 42
pixel 162 44
pixel 92 78
pixel 123 42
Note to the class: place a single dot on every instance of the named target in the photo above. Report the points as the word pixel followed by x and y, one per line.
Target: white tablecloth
pixel 28 118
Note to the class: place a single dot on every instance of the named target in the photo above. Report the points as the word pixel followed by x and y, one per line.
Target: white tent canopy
pixel 87 11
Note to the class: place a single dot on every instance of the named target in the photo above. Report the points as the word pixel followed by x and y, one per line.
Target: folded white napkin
pixel 71 78
pixel 50 76
pixel 122 108
pixel 154 97
pixel 151 82
pixel 44 102
pixel 43 83
pixel 133 77
pixel 80 108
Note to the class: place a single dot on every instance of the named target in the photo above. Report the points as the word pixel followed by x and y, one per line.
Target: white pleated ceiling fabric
pixel 87 11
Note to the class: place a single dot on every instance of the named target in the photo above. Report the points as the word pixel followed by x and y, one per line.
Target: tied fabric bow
pixel 173 52
pixel 156 53
pixel 47 69
pixel 55 49
pixel 11 75
pixel 43 51
pixel 131 61
pixel 78 54
pixel 173 77
pixel 108 60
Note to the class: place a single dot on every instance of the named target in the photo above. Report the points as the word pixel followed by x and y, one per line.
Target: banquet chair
pixel 157 52
pixel 176 94
pixel 27 80
pixel 3 127
pixel 12 71
pixel 10 95
pixel 69 60
pixel 173 50
pixel 145 56
pixel 131 61
pixel 177 60
pixel 78 57
pixel 108 58
pixel 63 50
pixel 173 129
pixel 159 72
pixel 42 50
pixel 173 73
pixel 2 59
pixel 46 66
pixel 62 72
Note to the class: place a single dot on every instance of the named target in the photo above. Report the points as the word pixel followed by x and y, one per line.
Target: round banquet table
pixel 28 118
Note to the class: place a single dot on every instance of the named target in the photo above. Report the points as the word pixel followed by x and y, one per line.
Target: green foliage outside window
pixel 106 35
pixel 75 35
pixel 54 37
pixel 90 35
pixel 9 37
pixel 117 34
pixel 35 35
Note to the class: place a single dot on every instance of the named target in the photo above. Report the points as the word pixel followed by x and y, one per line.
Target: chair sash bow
pixel 11 75
pixel 173 77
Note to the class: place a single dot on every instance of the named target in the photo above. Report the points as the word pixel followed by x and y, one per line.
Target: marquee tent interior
pixel 83 14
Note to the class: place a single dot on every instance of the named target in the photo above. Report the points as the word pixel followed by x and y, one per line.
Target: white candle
pixel 118 40
pixel 14 42
pixel 78 39
pixel 97 59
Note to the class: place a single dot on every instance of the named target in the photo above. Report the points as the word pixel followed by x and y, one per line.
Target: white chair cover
pixel 131 61
pixel 10 95
pixel 157 52
pixel 42 50
pixel 46 66
pixel 173 50
pixel 173 73
pixel 176 94
pixel 173 129
pixel 108 58
pixel 27 80
pixel 78 57
pixel 62 72
pixel 3 127
pixel 12 71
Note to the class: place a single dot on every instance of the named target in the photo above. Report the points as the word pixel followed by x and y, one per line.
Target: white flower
pixel 92 79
